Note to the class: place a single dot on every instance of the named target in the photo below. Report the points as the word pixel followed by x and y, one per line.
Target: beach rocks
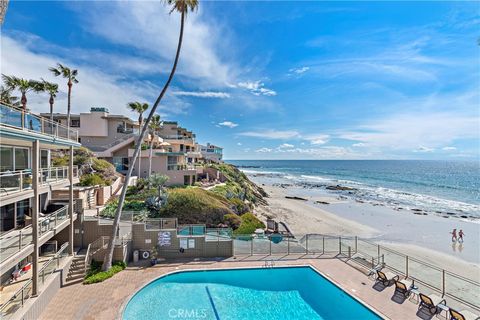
pixel 295 198
pixel 322 202
pixel 340 188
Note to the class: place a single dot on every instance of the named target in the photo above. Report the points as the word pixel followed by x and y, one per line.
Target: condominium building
pixel 35 229
pixel 113 138
pixel 210 152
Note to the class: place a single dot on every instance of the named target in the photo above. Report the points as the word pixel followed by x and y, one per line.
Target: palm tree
pixel 71 75
pixel 140 108
pixel 181 6
pixel 6 97
pixel 52 90
pixel 22 85
pixel 158 181
pixel 154 126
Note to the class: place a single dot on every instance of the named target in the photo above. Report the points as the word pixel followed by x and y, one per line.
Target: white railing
pixel 15 181
pixel 8 309
pixel 11 116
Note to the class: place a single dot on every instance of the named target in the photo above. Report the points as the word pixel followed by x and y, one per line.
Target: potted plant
pixel 153 256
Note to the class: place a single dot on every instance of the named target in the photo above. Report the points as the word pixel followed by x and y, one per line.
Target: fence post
pixel 356 244
pixel 23 297
pixel 383 259
pixel 20 240
pixel 443 282
pixel 251 246
pixel 349 252
pixel 270 244
pixel 378 252
pixel 288 245
pixel 406 266
pixel 323 245
pixel 21 181
pixel 340 245
pixel 306 243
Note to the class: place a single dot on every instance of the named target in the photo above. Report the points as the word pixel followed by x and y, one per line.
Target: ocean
pixel 442 187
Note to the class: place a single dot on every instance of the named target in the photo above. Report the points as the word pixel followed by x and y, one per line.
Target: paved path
pixel 105 300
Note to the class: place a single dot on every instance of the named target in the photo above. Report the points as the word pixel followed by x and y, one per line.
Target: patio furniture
pixel 462 315
pixel 404 287
pixel 432 302
pixel 386 278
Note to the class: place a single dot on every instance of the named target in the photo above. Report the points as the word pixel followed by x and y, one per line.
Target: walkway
pixel 105 300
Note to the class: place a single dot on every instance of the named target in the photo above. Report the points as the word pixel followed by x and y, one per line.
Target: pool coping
pixel 363 303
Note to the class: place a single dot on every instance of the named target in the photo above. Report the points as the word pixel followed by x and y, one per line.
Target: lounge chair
pixel 463 315
pixel 387 278
pixel 404 286
pixel 431 302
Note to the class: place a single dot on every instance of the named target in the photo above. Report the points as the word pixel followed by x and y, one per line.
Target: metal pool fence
pixel 428 277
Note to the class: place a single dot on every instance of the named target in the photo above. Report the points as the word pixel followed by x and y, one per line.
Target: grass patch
pixel 249 224
pixel 95 274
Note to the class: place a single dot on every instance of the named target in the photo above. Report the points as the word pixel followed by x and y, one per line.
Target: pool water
pixel 261 293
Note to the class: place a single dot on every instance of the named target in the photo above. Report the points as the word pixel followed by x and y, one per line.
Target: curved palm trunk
pixel 107 261
pixel 150 156
pixel 140 122
pixel 24 108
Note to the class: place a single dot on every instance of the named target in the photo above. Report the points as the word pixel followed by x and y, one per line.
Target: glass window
pixel 21 159
pixel 23 208
pixel 75 123
pixel 6 159
pixel 7 214
pixel 44 158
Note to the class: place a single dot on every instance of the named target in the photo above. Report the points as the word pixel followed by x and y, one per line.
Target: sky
pixel 270 80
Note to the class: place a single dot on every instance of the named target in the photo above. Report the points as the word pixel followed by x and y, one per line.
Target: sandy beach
pixel 421 236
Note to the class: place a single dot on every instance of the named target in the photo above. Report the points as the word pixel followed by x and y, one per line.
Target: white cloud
pixel 257 88
pixel 424 149
pixel 286 146
pixel 139 25
pixel 299 71
pixel 93 85
pixel 360 144
pixel 202 94
pixel 317 139
pixel 271 134
pixel 449 148
pixel 228 124
pixel 239 143
pixel 263 150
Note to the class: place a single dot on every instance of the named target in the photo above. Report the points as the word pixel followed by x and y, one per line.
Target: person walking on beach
pixel 460 236
pixel 454 235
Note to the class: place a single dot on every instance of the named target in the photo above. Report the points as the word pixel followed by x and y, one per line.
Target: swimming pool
pixel 259 293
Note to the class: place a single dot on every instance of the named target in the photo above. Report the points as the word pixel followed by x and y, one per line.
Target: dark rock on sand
pixel 339 187
pixel 322 202
pixel 295 198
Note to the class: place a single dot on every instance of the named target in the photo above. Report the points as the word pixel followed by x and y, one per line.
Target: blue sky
pixel 271 80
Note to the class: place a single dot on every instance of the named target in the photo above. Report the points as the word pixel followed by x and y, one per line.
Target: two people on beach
pixel 460 235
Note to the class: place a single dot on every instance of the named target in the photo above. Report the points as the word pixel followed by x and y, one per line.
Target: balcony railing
pixel 14 241
pixel 8 309
pixel 18 118
pixel 180 167
pixel 14 181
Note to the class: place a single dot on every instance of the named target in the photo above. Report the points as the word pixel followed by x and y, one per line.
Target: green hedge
pixel 95 275
pixel 249 224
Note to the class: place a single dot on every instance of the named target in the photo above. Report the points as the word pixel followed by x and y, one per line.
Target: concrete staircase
pixel 76 273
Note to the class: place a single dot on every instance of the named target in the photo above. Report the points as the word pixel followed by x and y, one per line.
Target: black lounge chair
pixel 404 286
pixel 463 315
pixel 386 278
pixel 431 302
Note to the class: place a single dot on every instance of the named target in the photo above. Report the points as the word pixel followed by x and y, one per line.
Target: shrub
pixel 249 224
pixel 92 179
pixel 239 206
pixel 128 205
pixel 95 275
pixel 232 220
pixel 195 205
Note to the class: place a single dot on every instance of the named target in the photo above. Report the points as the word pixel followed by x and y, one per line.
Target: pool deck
pixel 105 300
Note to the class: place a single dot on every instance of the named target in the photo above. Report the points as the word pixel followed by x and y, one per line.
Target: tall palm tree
pixel 181 6
pixel 52 90
pixel 154 126
pixel 6 97
pixel 22 85
pixel 140 108
pixel 71 75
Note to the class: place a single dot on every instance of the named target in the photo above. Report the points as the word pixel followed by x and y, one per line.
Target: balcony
pixel 17 181
pixel 180 167
pixel 15 118
pixel 20 241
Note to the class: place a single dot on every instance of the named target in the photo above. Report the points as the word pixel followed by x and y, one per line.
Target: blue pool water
pixel 278 293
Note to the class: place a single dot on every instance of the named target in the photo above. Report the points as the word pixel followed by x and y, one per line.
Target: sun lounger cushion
pixel 435 299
